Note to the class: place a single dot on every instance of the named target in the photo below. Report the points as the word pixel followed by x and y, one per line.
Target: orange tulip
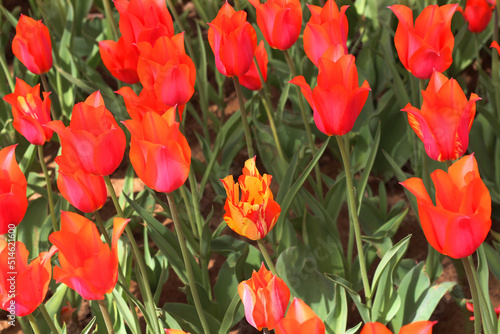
pixel 30 112
pixel 32 45
pixel 300 319
pixel 280 21
pixel 478 14
pixel 87 265
pixel 23 286
pixel 255 213
pixel 459 222
pixel 13 202
pixel 326 27
pixel 427 45
pixel 159 153
pixel 175 331
pixel 265 298
pixel 251 78
pixel 233 41
pixel 93 139
pixel 444 121
pixel 138 106
pixel 120 58
pixel 418 327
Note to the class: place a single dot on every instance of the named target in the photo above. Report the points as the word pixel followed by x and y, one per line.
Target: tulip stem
pixel 246 127
pixel 146 291
pixel 473 292
pixel 105 315
pixel 6 71
pixel 49 187
pixel 189 269
pixel 486 315
pixel 305 121
pixel 267 258
pixel 47 318
pixel 351 201
pixel 110 19
pixel 101 227
pixel 33 324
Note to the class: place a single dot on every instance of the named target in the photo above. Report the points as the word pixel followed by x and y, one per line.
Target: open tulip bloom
pixel 300 319
pixel 418 327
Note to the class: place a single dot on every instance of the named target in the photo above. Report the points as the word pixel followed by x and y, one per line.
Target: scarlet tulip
pixel 87 265
pixel 337 100
pixel 30 112
pixel 280 21
pixel 326 27
pixel 495 45
pixel 470 308
pixel 427 46
pixel 138 106
pixel 233 41
pixel 459 222
pixel 23 286
pixel 265 298
pixel 93 139
pixel 13 185
pixel 120 58
pixel 418 327
pixel 300 319
pixel 32 45
pixel 251 79
pixel 159 153
pixel 255 213
pixel 444 121
pixel 478 14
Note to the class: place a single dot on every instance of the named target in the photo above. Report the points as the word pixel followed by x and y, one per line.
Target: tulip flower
pixel 120 58
pixel 251 78
pixel 444 121
pixel 86 192
pixel 470 308
pixel 23 286
pixel 326 27
pixel 233 41
pixel 93 139
pixel 255 213
pixel 87 265
pixel 300 319
pixel 418 327
pixel 30 112
pixel 265 298
pixel 175 331
pixel 32 45
pixel 66 313
pixel 280 21
pixel 427 45
pixel 138 106
pixel 159 153
pixel 478 14
pixel 495 45
pixel 459 222
pixel 13 185
pixel 337 100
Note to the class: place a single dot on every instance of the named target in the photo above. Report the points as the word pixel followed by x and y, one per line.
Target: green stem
pixel 190 214
pixel 33 324
pixel 189 270
pixel 47 318
pixel 272 125
pixel 105 315
pixel 355 219
pixel 485 314
pixel 6 71
pixel 195 191
pixel 305 121
pixel 267 258
pixel 101 227
pixel 475 299
pixel 243 112
pixel 111 19
pixel 49 187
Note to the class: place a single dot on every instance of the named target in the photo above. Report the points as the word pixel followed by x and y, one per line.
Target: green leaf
pixel 336 321
pixel 363 181
pixel 186 314
pixel 362 308
pixel 229 317
pixel 124 310
pixel 88 328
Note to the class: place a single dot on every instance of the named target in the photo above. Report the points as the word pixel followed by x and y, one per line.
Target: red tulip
pixel 470 308
pixel 265 298
pixel 337 100
pixel 427 46
pixel 326 27
pixel 138 106
pixel 30 112
pixel 13 202
pixel 23 286
pixel 159 153
pixel 478 14
pixel 459 222
pixel 255 213
pixel 280 21
pixel 120 58
pixel 495 45
pixel 300 319
pixel 93 139
pixel 32 45
pixel 87 265
pixel 251 78
pixel 444 121
pixel 418 327
pixel 233 41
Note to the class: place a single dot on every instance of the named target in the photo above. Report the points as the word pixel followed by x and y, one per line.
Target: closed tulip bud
pixel 418 327
pixel 251 79
pixel 459 222
pixel 87 265
pixel 280 21
pixel 478 14
pixel 427 45
pixel 32 45
pixel 300 319
pixel 444 121
pixel 265 298
pixel 30 112
pixel 255 213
